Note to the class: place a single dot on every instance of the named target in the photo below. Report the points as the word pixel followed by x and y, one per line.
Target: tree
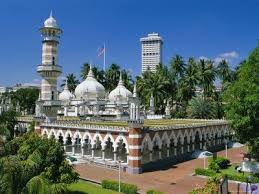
pixel 8 121
pixel 34 165
pixel 155 84
pixel 224 72
pixel 187 84
pixel 72 82
pixel 112 77
pixel 200 108
pixel 242 100
pixel 84 70
pixel 177 66
pixel 207 74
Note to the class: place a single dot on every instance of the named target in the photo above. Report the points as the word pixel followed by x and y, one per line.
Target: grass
pixel 231 170
pixel 147 123
pixel 83 187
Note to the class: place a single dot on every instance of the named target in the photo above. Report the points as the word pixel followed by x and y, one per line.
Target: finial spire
pixel 90 73
pixel 120 81
pixel 50 15
pixel 135 90
pixel 66 86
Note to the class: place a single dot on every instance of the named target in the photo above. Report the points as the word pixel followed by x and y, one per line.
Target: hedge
pixel 114 185
pixel 204 172
pixel 211 173
pixel 154 192
pixel 222 162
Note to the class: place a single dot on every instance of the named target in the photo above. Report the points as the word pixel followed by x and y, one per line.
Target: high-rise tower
pixel 49 69
pixel 151 54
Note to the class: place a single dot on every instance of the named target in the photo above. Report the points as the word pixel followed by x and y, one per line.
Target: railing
pixel 85 126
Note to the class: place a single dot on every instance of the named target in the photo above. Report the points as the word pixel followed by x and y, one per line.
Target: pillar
pixel 160 154
pixel 115 156
pixel 175 150
pixel 73 146
pixel 103 154
pixel 150 156
pixel 193 145
pixel 135 142
pixel 168 152
pixel 82 150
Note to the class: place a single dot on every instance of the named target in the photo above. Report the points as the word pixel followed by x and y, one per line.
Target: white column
pixel 168 152
pixel 103 154
pixel 115 156
pixel 150 156
pixel 82 150
pixel 92 152
pixel 160 154
pixel 73 146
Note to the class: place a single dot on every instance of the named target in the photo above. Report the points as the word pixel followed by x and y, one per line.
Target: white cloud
pixel 203 58
pixel 229 55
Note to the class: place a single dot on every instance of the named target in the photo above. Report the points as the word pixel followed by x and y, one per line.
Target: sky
pixel 198 28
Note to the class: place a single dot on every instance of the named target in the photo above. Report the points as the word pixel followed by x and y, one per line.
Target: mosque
pixel 113 129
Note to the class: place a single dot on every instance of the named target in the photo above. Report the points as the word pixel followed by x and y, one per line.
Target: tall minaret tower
pixel 49 69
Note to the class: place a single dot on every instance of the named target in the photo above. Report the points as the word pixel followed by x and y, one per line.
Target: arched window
pixel 52 95
pixel 53 60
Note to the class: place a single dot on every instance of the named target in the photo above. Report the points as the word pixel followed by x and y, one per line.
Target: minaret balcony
pixel 51 103
pixel 52 68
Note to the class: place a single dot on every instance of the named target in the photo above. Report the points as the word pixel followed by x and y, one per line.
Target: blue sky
pixel 198 28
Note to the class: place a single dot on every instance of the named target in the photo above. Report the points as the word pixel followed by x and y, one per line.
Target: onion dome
pixel 65 95
pixel 90 88
pixel 120 92
pixel 50 22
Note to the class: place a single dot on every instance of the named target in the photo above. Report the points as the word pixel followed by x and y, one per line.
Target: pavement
pixel 178 179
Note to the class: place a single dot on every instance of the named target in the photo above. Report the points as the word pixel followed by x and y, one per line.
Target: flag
pixel 101 51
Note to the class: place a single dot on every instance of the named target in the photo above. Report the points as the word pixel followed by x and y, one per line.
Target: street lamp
pixel 119 162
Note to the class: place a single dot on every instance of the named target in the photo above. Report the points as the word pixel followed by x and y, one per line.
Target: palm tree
pixel 177 66
pixel 188 82
pixel 112 76
pixel 207 74
pixel 154 84
pixel 224 72
pixel 200 108
pixel 72 82
pixel 84 70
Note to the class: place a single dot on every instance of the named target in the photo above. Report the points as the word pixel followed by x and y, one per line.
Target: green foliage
pixel 125 188
pixel 242 100
pixel 154 192
pixel 38 164
pixel 84 187
pixel 220 162
pixel 205 172
pixel 214 166
pixel 7 122
pixel 71 81
pixel 231 176
pixel 200 108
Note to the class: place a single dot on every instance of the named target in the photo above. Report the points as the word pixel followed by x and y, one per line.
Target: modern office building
pixel 151 51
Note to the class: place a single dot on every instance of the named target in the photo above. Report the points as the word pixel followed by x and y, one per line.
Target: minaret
pixel 135 135
pixel 49 69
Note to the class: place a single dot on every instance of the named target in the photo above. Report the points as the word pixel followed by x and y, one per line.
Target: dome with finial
pixel 50 22
pixel 65 95
pixel 120 91
pixel 90 88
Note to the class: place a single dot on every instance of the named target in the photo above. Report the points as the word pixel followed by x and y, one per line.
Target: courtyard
pixel 176 179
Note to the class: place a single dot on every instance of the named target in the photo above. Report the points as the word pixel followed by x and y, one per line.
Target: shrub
pixel 222 162
pixel 241 178
pixel 205 172
pixel 214 166
pixel 114 185
pixel 154 192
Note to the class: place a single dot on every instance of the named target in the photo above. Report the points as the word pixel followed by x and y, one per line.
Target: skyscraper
pixel 151 52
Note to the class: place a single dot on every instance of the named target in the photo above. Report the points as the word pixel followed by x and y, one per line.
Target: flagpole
pixel 104 57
